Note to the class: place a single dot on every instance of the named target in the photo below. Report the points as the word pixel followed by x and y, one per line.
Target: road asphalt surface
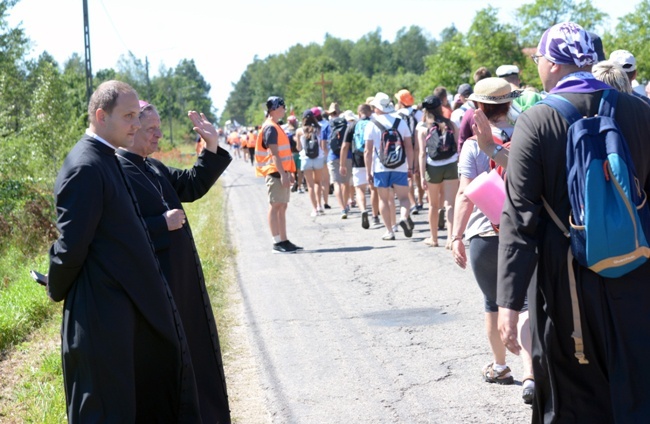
pixel 355 329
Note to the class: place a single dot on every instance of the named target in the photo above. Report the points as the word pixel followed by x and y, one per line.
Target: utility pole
pixel 322 84
pixel 89 71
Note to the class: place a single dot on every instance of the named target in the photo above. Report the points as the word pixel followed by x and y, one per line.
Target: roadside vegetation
pixel 43 113
pixel 30 370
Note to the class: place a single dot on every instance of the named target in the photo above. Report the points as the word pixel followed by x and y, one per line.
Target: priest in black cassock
pixel 124 351
pixel 160 190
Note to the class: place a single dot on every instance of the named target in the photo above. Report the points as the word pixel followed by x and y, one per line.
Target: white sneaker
pixel 314 213
pixel 388 236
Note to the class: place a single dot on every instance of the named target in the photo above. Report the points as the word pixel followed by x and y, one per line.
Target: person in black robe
pixel 124 354
pixel 612 386
pixel 160 190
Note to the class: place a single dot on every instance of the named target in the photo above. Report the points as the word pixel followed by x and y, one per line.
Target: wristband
pixel 497 149
pixel 454 238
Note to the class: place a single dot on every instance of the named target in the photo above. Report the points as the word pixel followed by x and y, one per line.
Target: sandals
pixel 528 394
pixel 429 242
pixel 491 376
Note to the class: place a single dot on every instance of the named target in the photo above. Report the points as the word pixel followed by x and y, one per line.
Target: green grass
pixel 24 305
pixel 37 394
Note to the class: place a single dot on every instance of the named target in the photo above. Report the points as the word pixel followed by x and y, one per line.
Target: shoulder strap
pixel 378 125
pixel 564 107
pixel 608 103
pixel 396 123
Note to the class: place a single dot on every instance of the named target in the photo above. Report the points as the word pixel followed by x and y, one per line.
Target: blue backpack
pixel 610 217
pixel 359 139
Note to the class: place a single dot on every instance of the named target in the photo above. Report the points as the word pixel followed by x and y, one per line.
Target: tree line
pixel 414 60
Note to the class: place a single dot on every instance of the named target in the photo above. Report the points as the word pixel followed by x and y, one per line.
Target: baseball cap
pixel 625 59
pixel 404 97
pixel 431 103
pixel 316 111
pixel 465 89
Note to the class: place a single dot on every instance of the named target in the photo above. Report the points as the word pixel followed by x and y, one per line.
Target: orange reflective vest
pixel 252 139
pixel 264 163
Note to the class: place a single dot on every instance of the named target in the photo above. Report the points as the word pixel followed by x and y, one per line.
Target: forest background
pixel 43 103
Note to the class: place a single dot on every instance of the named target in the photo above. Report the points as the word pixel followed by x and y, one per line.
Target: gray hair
pixel 613 74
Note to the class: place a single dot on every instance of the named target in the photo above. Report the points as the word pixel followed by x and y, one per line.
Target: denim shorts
pixel 308 164
pixel 390 178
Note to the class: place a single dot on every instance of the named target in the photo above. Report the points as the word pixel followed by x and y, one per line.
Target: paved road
pixel 355 329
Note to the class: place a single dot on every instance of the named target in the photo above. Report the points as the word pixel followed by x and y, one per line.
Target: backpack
pixel 312 149
pixel 391 145
pixel 358 138
pixel 610 216
pixel 339 125
pixel 609 210
pixel 411 122
pixel 440 142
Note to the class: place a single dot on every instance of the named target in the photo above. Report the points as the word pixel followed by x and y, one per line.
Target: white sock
pixel 529 383
pixel 498 368
pixel 276 239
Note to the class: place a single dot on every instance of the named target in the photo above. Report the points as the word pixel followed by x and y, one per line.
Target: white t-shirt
pixel 303 152
pixel 372 133
pixel 457 115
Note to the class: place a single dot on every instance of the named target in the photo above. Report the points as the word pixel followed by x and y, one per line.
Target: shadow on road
pixel 347 249
pixel 407 317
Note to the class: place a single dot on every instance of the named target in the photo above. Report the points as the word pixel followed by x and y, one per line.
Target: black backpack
pixel 411 122
pixel 312 149
pixel 440 142
pixel 391 145
pixel 339 125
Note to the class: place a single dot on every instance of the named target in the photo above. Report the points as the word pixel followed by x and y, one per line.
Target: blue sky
pixel 224 37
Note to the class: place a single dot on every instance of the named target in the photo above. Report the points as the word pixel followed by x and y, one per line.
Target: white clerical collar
pixel 98 138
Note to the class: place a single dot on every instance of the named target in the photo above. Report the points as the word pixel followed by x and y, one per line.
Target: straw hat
pixel 493 91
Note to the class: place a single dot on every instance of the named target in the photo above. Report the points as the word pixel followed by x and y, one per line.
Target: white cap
pixel 625 59
pixel 505 70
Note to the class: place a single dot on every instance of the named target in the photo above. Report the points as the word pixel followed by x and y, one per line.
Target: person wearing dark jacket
pixel 160 190
pixel 124 351
pixel 612 386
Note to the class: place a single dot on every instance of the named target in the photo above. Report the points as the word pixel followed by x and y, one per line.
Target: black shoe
pixel 288 243
pixel 365 224
pixel 326 206
pixel 409 221
pixel 283 247
pixel 408 231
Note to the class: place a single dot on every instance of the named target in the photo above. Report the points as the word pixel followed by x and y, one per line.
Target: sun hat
pixel 405 97
pixel 383 103
pixel 625 59
pixel 494 91
pixel 349 116
pixel 568 43
pixel 334 108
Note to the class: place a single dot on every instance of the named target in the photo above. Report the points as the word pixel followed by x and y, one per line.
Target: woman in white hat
pixel 492 97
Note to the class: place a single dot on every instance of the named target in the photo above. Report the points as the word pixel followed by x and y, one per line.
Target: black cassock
pixel 159 188
pixel 124 351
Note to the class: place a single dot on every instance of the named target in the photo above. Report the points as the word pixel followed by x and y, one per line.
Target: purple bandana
pixel 568 44
pixel 579 82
